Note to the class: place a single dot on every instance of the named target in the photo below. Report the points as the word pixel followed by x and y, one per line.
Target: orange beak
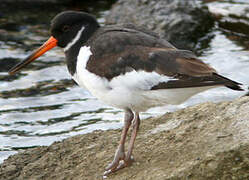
pixel 49 44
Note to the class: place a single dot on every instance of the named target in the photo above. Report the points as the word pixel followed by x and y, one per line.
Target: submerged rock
pixel 7 63
pixel 206 141
pixel 182 22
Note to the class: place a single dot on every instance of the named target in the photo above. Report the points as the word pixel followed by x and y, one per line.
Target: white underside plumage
pixel 132 89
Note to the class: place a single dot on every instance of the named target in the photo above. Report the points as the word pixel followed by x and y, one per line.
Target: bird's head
pixel 67 29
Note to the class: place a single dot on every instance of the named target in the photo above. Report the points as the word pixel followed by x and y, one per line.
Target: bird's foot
pixel 120 164
pixel 119 155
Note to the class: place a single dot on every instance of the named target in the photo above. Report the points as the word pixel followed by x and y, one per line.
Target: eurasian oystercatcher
pixel 127 67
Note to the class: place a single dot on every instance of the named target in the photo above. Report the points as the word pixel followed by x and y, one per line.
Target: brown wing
pixel 122 51
pixel 181 63
pixel 188 70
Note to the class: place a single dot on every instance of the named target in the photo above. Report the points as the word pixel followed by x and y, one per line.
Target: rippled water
pixel 41 104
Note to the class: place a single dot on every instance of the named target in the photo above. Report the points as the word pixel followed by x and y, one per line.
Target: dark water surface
pixel 41 104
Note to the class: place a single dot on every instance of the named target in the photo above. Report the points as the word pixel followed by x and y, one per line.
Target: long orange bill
pixel 49 44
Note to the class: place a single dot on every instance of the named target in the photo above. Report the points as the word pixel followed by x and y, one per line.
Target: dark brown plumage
pixel 122 48
pixel 127 67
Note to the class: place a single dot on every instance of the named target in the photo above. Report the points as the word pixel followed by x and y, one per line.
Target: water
pixel 41 104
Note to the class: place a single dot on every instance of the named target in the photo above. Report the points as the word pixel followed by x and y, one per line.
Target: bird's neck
pixel 72 53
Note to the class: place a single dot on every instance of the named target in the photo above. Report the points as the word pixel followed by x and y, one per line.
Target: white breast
pixel 130 90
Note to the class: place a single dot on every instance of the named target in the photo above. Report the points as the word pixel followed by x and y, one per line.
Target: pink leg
pixel 135 129
pixel 127 159
pixel 119 154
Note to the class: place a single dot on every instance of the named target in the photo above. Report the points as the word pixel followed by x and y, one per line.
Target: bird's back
pixel 138 64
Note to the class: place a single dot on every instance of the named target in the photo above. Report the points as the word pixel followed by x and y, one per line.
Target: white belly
pixel 131 90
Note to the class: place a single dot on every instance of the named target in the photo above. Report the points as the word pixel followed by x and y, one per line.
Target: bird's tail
pixel 231 84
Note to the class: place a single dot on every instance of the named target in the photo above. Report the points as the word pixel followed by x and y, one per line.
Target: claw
pixel 125 163
pixel 107 173
pixel 119 155
pixel 122 164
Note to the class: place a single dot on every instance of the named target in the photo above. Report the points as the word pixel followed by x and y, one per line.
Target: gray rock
pixel 232 16
pixel 206 141
pixel 35 1
pixel 182 22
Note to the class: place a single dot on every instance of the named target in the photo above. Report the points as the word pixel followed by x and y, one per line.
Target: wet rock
pixel 182 22
pixel 206 141
pixel 7 63
pixel 9 26
pixel 35 1
pixel 6 36
pixel 43 88
pixel 232 16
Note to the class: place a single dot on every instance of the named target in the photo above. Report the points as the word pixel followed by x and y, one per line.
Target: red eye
pixel 66 28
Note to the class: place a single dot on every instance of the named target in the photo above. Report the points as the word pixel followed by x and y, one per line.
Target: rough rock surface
pixel 182 22
pixel 206 141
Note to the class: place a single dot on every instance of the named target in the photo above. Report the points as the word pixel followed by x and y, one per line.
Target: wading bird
pixel 127 67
